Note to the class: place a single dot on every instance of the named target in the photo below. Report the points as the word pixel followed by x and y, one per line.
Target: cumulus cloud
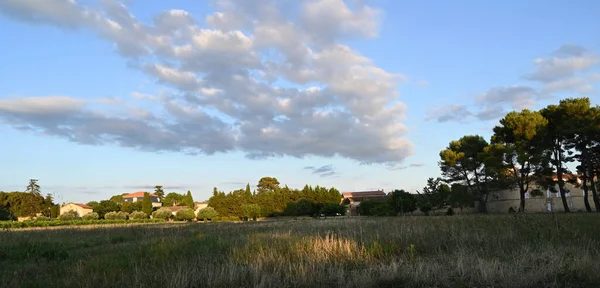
pixel 222 81
pixel 557 73
pixel 564 63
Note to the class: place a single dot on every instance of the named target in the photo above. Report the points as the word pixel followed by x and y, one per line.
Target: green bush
pixel 207 213
pixel 42 218
pixel 185 214
pixel 116 215
pixel 91 216
pixel 138 215
pixel 162 213
pixel 68 216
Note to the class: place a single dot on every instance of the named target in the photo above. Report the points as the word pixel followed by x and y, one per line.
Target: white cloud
pixel 223 95
pixel 566 61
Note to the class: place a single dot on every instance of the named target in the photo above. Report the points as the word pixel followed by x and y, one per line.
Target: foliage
pixel 116 215
pixel 188 200
pixel 147 204
pixel 274 200
pixel 68 216
pixel 5 214
pixel 435 196
pixel 173 199
pixel 401 202
pixel 374 208
pixel 162 213
pixel 22 204
pixel 91 216
pixel 251 211
pixel 54 211
pixel 185 214
pixel 33 187
pixel 42 218
pixel 332 209
pixel 159 191
pixel 466 161
pixel 207 213
pixel 104 207
pixel 138 215
pixel 129 207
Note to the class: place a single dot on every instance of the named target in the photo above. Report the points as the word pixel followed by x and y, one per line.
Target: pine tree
pixel 188 200
pixel 147 204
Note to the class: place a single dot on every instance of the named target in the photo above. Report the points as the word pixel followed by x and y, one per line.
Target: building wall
pixel 80 210
pixel 503 200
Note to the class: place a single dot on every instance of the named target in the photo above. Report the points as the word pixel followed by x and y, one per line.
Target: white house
pixel 139 196
pixel 81 209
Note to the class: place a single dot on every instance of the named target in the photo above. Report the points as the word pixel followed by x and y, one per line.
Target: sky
pixel 104 97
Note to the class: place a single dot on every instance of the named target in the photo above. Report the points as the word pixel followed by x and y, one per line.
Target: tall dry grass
pixel 457 251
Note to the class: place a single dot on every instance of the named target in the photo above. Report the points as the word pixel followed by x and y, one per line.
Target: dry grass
pixel 458 251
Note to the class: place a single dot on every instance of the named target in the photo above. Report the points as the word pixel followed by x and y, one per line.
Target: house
pixel 81 209
pixel 139 196
pixel 353 199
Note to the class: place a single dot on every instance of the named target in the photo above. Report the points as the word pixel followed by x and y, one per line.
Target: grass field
pixel 457 251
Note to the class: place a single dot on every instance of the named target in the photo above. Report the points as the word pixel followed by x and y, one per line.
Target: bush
pixel 162 213
pixel 53 222
pixel 42 218
pixel 116 215
pixel 91 216
pixel 185 214
pixel 207 213
pixel 68 216
pixel 138 215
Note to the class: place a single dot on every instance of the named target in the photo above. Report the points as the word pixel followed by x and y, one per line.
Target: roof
pixel 138 194
pixel 363 194
pixel 81 205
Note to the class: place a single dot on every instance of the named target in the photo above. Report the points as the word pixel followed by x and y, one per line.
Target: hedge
pixel 52 223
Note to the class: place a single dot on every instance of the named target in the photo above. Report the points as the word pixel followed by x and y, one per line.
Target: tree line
pixel 269 199
pixel 527 150
pixel 28 203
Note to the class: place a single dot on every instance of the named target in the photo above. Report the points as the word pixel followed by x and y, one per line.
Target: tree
pixel 33 187
pixel 173 199
pixel 185 214
pixel 162 213
pixel 252 211
pixel 104 207
pixel 519 145
pixel 401 202
pixel 268 184
pixel 582 143
pixel 147 204
pixel 188 200
pixel 159 191
pixel 557 136
pixel 207 213
pixel 460 197
pixel 463 162
pixel 435 195
pixel 138 215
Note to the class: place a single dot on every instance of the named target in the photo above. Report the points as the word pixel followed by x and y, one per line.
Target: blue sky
pixel 105 97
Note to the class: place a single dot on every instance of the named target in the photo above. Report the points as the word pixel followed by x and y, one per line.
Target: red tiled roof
pixel 138 194
pixel 83 206
pixel 363 194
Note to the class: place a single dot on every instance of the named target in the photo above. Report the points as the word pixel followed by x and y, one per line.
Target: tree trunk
pixel 594 193
pixel 585 195
pixel 561 183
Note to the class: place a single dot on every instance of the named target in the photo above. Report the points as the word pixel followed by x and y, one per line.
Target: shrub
pixel 138 215
pixel 69 215
pixel 207 213
pixel 185 214
pixel 91 216
pixel 116 215
pixel 42 218
pixel 162 213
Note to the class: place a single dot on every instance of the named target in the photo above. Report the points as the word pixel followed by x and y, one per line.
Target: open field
pixel 458 251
